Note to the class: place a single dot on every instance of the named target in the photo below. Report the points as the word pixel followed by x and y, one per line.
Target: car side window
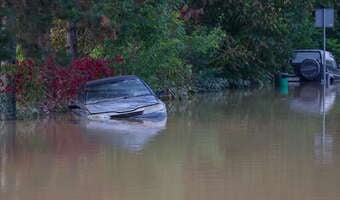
pixel 331 64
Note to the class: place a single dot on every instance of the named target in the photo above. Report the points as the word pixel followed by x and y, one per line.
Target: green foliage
pixel 233 40
pixel 155 44
pixel 58 34
pixel 33 22
pixel 63 58
pixel 68 10
pixel 257 40
pixel 203 49
pixel 97 52
pixel 333 34
pixel 334 46
pixel 19 54
pixel 260 35
pixel 4 41
pixel 5 35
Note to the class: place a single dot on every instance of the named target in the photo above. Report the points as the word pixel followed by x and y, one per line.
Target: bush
pixel 50 87
pixel 157 45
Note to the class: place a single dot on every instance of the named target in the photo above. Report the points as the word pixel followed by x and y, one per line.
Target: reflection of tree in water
pixel 232 143
pixel 50 135
pixel 56 155
pixel 37 148
pixel 209 101
pixel 237 123
pixel 225 143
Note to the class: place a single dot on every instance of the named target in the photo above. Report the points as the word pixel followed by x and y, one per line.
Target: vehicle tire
pixel 310 69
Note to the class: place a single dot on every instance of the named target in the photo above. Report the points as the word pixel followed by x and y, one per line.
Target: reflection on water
pixel 309 98
pixel 323 147
pixel 132 135
pixel 235 145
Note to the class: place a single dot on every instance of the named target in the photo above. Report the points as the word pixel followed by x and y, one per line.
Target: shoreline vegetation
pixel 216 86
pixel 179 47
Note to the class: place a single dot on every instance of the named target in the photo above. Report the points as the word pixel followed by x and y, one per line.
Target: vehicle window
pixel 299 57
pixel 331 64
pixel 126 88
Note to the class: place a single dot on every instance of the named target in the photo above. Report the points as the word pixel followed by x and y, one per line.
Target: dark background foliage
pixel 169 43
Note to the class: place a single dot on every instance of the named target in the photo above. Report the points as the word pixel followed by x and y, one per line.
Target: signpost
pixel 324 18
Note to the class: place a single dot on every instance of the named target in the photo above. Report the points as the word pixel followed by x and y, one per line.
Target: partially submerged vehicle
pixel 308 65
pixel 116 98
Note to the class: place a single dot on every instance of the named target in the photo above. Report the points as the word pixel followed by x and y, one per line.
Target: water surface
pixel 254 144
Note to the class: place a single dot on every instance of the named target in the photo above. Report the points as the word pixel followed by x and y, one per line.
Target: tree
pixel 34 20
pixel 7 103
pixel 260 34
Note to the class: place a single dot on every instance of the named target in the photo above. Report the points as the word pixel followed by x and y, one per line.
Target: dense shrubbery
pixel 156 45
pixel 169 43
pixel 49 86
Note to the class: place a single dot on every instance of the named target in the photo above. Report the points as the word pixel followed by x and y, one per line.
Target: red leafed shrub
pixel 63 83
pixel 50 86
pixel 119 59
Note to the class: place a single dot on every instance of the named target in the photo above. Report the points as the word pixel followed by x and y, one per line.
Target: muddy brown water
pixel 254 144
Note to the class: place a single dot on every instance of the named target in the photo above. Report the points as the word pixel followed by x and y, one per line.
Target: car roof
pixel 329 55
pixel 308 50
pixel 110 80
pixel 311 50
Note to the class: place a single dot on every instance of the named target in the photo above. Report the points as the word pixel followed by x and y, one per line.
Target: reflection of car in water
pixel 118 97
pixel 308 98
pixel 323 148
pixel 131 135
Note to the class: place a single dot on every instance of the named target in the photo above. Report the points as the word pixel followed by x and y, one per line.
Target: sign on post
pixel 324 18
pixel 329 17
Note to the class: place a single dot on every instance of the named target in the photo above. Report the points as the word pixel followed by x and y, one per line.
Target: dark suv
pixel 308 65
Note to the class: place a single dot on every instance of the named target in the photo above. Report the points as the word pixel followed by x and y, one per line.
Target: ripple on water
pixel 251 144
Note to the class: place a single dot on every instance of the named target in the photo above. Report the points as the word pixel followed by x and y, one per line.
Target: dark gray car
pixel 118 97
pixel 308 65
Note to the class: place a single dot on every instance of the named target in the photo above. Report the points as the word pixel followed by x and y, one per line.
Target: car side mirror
pixel 73 106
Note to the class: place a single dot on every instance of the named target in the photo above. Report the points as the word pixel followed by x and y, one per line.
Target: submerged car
pixel 116 98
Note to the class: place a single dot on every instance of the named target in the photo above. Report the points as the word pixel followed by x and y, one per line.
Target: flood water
pixel 254 144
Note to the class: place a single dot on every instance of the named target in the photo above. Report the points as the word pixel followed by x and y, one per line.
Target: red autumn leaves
pixel 56 85
pixel 119 59
pixel 63 83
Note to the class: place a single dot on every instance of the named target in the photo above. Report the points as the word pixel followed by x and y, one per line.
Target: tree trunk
pixel 72 39
pixel 7 99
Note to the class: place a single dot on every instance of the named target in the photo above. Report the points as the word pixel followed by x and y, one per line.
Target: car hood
pixel 122 105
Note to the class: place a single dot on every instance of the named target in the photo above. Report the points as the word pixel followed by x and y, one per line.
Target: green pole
pixel 283 86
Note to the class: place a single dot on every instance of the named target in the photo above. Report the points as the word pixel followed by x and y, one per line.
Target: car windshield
pixel 299 57
pixel 121 89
